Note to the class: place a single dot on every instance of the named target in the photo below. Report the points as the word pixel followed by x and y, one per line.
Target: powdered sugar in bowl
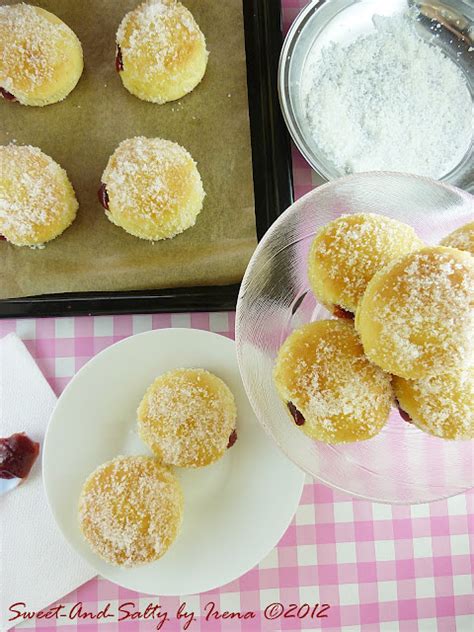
pixel 382 86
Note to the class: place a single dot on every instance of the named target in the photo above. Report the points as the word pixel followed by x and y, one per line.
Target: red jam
pixel 340 312
pixel 118 60
pixel 8 96
pixel 295 413
pixel 17 455
pixel 232 438
pixel 404 415
pixel 103 196
pixel 3 238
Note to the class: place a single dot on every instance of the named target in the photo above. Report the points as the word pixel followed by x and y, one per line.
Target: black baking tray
pixel 273 186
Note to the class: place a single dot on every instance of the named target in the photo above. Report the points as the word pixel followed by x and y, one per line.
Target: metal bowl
pixel 323 21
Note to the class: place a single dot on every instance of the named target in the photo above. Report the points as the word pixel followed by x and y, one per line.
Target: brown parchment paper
pixel 83 130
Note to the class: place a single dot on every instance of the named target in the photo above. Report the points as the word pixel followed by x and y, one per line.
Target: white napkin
pixel 37 566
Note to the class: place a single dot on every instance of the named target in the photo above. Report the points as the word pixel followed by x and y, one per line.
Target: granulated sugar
pixel 390 100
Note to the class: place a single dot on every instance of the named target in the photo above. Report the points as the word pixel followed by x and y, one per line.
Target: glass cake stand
pixel 402 464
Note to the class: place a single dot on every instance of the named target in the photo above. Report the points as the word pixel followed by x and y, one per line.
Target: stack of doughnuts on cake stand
pixel 402 334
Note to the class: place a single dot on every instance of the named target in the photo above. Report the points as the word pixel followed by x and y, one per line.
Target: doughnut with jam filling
pixel 161 52
pixel 442 405
pixel 187 417
pixel 332 392
pixel 151 188
pixel 130 510
pixel 347 252
pixel 416 317
pixel 37 201
pixel 40 56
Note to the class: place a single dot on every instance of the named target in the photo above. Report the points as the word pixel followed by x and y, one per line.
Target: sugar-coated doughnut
pixel 37 201
pixel 40 56
pixel 152 188
pixel 462 238
pixel 161 51
pixel 130 510
pixel 332 392
pixel 188 417
pixel 347 252
pixel 442 405
pixel 416 317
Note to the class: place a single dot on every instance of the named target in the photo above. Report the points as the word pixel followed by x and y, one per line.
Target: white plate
pixel 236 510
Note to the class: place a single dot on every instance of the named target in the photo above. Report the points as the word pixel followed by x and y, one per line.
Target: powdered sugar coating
pixel 442 405
pixel 37 201
pixel 416 317
pixel 130 510
pixel 322 371
pixel 388 100
pixel 347 252
pixel 462 238
pixel 40 56
pixel 154 188
pixel 163 51
pixel 187 416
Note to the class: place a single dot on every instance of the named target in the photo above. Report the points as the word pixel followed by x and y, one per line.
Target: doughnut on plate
pixel 231 518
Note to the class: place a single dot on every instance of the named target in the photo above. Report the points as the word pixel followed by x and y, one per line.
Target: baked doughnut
pixel 130 510
pixel 187 417
pixel 37 201
pixel 40 56
pixel 333 393
pixel 161 51
pixel 151 188
pixel 416 317
pixel 462 238
pixel 442 405
pixel 347 252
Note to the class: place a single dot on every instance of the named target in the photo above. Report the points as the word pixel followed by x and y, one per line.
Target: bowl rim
pixel 288 113
pixel 239 310
pixel 347 178
pixel 293 123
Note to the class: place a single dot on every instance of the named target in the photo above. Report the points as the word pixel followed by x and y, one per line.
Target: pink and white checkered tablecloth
pixel 381 568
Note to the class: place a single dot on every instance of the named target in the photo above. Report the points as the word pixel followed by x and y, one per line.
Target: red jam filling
pixel 295 413
pixel 118 60
pixel 340 312
pixel 232 438
pixel 17 455
pixel 3 238
pixel 103 196
pixel 403 414
pixel 8 96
